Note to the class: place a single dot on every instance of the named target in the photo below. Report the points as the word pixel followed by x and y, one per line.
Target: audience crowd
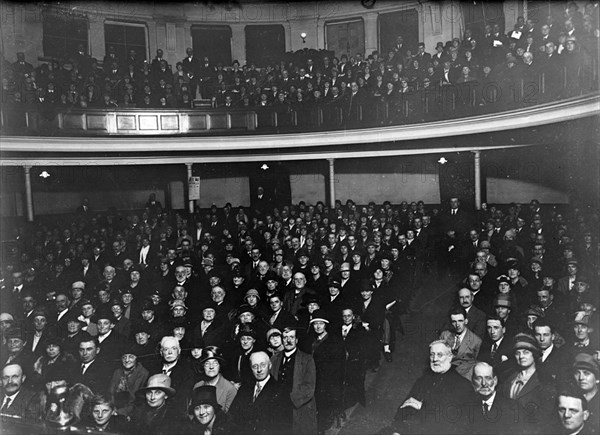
pixel 531 63
pixel 267 319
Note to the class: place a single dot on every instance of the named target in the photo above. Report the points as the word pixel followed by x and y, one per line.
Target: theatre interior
pixel 335 111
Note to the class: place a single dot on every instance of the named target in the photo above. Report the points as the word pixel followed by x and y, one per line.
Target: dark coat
pixel 438 392
pixel 261 416
pixel 302 396
pixel 24 405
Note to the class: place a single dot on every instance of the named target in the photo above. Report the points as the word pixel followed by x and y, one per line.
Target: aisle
pixel 389 386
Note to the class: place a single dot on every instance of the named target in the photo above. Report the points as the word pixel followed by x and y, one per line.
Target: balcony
pixel 416 107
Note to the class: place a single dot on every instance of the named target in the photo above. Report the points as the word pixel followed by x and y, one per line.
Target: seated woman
pixel 126 381
pixel 212 360
pixel 207 416
pixel 55 363
pixel 154 414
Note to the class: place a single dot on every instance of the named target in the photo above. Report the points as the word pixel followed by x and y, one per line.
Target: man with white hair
pixel 437 391
pixel 177 368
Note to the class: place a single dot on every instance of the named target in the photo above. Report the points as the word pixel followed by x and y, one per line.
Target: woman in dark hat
pixel 126 381
pixel 55 363
pixel 207 417
pixel 329 355
pixel 238 371
pixel 212 363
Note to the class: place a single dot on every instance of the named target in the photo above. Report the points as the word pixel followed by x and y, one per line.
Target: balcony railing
pixel 423 105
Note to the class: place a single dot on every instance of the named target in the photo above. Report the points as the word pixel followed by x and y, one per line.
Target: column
pixel 371 33
pixel 238 43
pixel 477 162
pixel 28 193
pixel 96 28
pixel 331 182
pixel 191 202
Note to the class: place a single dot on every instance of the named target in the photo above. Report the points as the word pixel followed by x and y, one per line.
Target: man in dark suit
pixel 257 406
pixel 475 316
pixel 280 317
pixel 353 336
pixel 177 368
pixel 295 371
pixel 440 387
pixel 552 362
pixel 16 400
pixel 108 338
pixel 260 202
pixel 496 347
pixel 493 413
pixel 93 373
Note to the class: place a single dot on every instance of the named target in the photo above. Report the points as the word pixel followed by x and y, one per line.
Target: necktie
pixel 516 389
pixel 485 407
pixel 256 392
pixel 83 369
pixel 494 349
pixel 7 401
pixel 456 344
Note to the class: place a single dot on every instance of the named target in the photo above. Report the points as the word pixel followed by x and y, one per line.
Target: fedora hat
pixel 158 382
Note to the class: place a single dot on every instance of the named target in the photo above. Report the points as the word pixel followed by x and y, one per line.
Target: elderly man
pixel 492 413
pixel 257 406
pixel 438 390
pixel 16 400
pixel 296 373
pixel 464 343
pixel 177 368
pixel 292 299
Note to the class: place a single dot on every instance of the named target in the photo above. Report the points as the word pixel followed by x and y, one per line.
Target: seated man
pixel 492 413
pixel 433 394
pixel 573 413
pixel 464 343
pixel 16 400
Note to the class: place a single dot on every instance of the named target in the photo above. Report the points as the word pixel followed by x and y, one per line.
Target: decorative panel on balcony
pixel 126 122
pixel 97 122
pixel 197 122
pixel 218 121
pixel 148 122
pixel 74 121
pixel 169 122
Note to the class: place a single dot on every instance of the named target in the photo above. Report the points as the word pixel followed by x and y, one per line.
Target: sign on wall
pixel 194 188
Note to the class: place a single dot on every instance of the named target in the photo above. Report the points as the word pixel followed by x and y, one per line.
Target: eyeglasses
pixel 263 365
